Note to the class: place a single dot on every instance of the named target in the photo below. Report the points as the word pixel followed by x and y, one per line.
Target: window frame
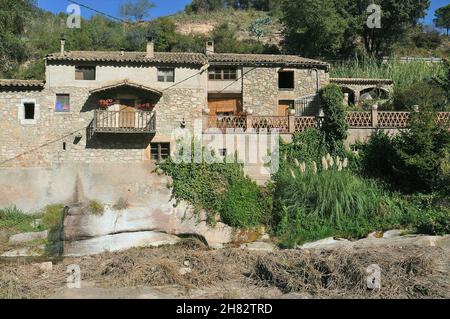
pixel 56 101
pixel 159 149
pixel 164 78
pixel 83 67
pixel 293 80
pixel 223 74
pixel 21 112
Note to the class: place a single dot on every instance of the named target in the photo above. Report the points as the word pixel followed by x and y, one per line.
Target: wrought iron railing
pixel 124 121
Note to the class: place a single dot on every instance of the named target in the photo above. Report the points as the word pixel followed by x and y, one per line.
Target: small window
pixel 62 103
pixel 166 75
pixel 223 152
pixel 286 80
pixel 85 73
pixel 160 151
pixel 29 111
pixel 222 74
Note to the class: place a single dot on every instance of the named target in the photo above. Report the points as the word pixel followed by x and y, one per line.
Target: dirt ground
pixel 192 270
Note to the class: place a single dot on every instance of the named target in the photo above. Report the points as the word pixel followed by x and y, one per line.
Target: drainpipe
pixel 317 79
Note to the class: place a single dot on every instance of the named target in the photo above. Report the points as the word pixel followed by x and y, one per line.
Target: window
pixel 222 74
pixel 29 111
pixel 286 80
pixel 85 73
pixel 62 103
pixel 160 151
pixel 166 75
pixel 223 152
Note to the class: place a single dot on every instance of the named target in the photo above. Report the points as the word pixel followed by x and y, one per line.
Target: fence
pixel 290 124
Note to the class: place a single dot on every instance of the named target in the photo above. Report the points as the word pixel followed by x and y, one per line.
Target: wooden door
pixel 283 107
pixel 229 106
pixel 127 116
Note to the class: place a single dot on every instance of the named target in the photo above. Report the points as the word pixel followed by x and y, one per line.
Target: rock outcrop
pixel 85 233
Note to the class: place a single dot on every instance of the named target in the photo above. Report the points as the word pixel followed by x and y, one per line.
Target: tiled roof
pixel 265 59
pixel 21 83
pixel 128 84
pixel 373 81
pixel 188 58
pixel 117 56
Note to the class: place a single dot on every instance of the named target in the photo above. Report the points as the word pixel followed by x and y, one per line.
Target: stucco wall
pixel 31 189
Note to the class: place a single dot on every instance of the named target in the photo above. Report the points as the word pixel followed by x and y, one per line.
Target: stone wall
pixel 261 93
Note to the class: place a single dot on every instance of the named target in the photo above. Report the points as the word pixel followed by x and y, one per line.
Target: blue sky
pixel 164 7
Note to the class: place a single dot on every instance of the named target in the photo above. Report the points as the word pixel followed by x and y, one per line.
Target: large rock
pixel 81 226
pixel 27 237
pixel 26 252
pixel 117 242
pixel 259 246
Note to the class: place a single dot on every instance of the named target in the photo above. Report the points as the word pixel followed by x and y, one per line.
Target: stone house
pixel 122 107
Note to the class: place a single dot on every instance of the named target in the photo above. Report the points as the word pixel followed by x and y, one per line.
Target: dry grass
pixel 406 273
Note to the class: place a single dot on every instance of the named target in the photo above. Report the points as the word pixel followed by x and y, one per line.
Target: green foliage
pixel 415 160
pixel 425 94
pixel 333 27
pixel 443 17
pixel 121 204
pixel 329 203
pixel 320 31
pixel 257 27
pixel 15 220
pixel 136 10
pixel 218 188
pixel 52 216
pixel 403 74
pixel 430 40
pixel 334 125
pixel 95 207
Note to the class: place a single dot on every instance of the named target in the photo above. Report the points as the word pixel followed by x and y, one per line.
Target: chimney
pixel 150 47
pixel 210 47
pixel 63 43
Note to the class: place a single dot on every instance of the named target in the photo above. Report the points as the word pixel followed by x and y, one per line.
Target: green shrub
pixel 52 216
pixel 415 160
pixel 16 220
pixel 95 207
pixel 218 188
pixel 334 125
pixel 121 204
pixel 423 94
pixel 434 222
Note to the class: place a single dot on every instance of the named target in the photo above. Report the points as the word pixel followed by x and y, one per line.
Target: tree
pixel 204 6
pixel 312 27
pixel 330 27
pixel 136 9
pixel 13 19
pixel 443 17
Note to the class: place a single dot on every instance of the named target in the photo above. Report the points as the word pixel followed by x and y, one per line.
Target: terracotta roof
pixel 265 59
pixel 117 56
pixel 21 83
pixel 126 83
pixel 361 81
pixel 188 58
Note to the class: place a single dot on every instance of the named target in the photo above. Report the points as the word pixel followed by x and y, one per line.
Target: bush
pixel 415 160
pixel 424 93
pixel 52 216
pixel 95 207
pixel 218 188
pixel 14 219
pixel 334 125
pixel 329 203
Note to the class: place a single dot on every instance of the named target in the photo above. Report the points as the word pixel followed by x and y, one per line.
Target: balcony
pixel 132 122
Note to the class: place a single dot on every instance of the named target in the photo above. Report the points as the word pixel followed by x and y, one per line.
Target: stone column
pixel 248 119
pixel 205 119
pixel 374 116
pixel 291 121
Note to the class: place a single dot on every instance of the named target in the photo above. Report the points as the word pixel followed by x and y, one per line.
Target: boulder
pixel 394 233
pixel 80 226
pixel 46 266
pixel 27 237
pixel 117 242
pixel 325 243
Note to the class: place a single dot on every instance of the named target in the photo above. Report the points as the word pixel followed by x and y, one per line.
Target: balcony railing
pixel 124 122
pixel 289 124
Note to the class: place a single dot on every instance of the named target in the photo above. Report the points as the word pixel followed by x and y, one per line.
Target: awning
pixel 127 84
